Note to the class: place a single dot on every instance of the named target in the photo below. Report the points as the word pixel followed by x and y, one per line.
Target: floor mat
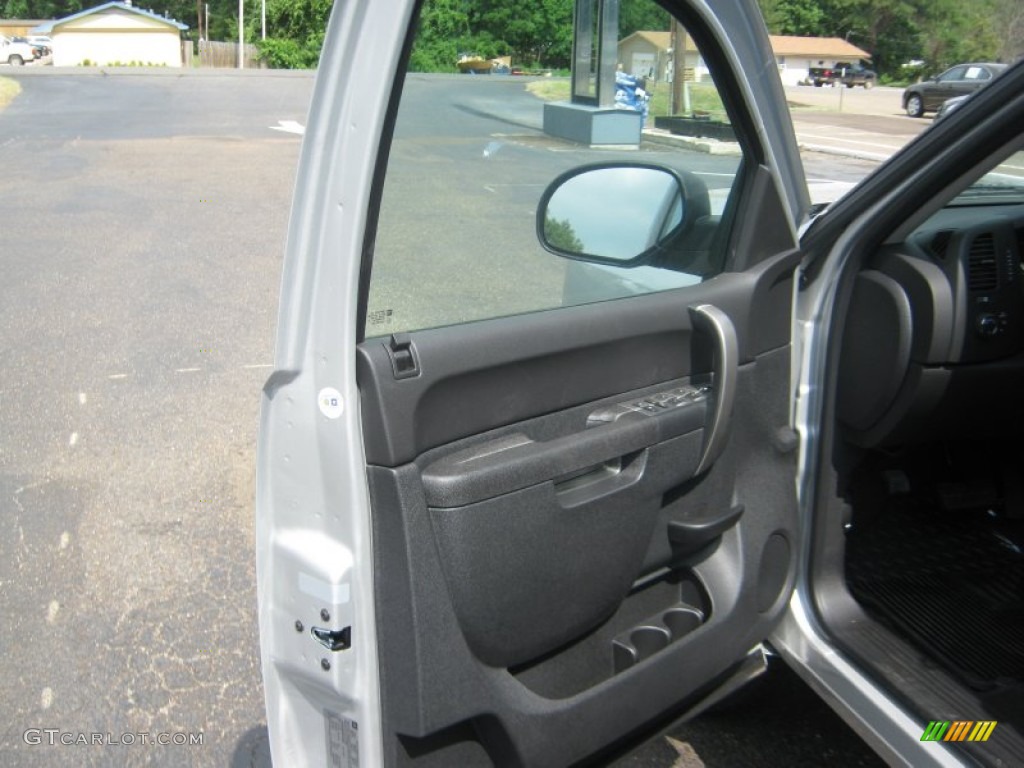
pixel 951 582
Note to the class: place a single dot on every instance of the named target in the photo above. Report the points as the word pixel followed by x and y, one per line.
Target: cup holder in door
pixel 682 621
pixel 648 641
pixel 639 643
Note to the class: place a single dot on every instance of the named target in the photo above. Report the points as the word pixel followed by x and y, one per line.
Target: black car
pixel 949 105
pixel 962 79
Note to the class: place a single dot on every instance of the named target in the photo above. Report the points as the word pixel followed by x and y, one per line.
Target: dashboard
pixel 933 341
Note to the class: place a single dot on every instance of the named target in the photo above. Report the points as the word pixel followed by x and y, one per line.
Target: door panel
pixel 542 581
pixel 548 503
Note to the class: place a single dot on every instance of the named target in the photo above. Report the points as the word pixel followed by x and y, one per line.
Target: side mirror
pixel 618 214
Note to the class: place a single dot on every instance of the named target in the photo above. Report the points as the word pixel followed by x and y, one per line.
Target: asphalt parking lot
pixel 143 226
pixel 852 122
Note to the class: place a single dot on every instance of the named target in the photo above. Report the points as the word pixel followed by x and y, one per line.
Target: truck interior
pixel 920 557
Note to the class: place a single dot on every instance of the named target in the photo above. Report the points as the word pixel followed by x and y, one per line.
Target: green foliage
pixel 794 17
pixel 704 98
pixel 1009 29
pixel 954 32
pixel 560 234
pixel 535 34
pixel 539 32
pixel 296 30
pixel 281 53
pixel 939 32
pixel 443 28
pixel 15 9
pixel 642 15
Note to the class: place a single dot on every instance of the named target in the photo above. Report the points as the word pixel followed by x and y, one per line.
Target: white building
pixel 649 54
pixel 117 33
pixel 796 55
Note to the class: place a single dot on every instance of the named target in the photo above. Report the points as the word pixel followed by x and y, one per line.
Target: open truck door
pixel 526 470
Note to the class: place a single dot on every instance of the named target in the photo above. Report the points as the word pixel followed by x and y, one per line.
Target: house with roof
pixel 649 54
pixel 116 33
pixel 795 55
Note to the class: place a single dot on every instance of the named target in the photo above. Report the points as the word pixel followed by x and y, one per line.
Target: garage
pixel 117 34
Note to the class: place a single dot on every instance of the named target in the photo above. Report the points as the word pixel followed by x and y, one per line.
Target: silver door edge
pixel 313 534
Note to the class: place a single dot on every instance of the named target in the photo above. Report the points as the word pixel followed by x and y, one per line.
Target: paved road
pixel 143 223
pixel 852 121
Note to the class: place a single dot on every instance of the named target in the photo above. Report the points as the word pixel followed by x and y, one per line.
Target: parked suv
pixel 962 79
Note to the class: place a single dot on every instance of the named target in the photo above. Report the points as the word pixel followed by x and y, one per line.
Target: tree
pixel 15 9
pixel 888 29
pixel 560 234
pixel 642 15
pixel 953 32
pixel 794 17
pixel 939 32
pixel 1009 29
pixel 295 33
pixel 443 33
pixel 539 32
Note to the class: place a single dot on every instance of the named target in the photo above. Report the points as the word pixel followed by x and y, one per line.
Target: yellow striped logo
pixel 958 730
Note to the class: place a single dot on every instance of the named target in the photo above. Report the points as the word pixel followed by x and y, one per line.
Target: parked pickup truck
pixel 843 73
pixel 16 53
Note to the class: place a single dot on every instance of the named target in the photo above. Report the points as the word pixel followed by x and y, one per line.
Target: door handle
pixel 709 319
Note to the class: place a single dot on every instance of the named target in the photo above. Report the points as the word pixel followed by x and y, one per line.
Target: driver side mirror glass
pixel 611 214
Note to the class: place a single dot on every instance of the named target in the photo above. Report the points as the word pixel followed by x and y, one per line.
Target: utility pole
pixel 241 34
pixel 680 88
pixel 677 79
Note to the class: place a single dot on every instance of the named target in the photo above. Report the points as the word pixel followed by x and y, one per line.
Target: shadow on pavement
pixel 253 749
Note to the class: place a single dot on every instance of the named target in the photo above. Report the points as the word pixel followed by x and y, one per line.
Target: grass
pixel 550 89
pixel 9 89
pixel 704 97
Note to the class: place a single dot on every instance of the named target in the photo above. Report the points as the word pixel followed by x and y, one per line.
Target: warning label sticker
pixel 342 741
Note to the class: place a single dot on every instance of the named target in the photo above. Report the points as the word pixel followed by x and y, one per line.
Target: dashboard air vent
pixel 982 270
pixel 939 244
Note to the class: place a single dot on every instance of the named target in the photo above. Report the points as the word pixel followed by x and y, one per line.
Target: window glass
pixel 1004 184
pixel 976 73
pixel 486 123
pixel 956 73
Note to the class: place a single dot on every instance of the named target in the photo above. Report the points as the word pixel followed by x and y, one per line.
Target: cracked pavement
pixel 137 316
pixel 142 231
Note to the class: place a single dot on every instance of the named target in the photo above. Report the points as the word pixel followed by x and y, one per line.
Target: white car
pixel 514 513
pixel 16 53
